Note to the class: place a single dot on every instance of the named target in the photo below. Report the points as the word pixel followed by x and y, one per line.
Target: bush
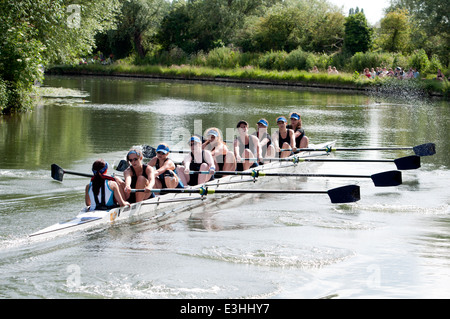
pixel 322 61
pixel 434 65
pixel 419 60
pixel 273 60
pixel 300 60
pixel 399 60
pixel 222 57
pixel 360 60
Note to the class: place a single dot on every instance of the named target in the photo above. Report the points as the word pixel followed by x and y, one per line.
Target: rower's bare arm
pixel 87 199
pixel 151 177
pixel 292 134
pixel 117 195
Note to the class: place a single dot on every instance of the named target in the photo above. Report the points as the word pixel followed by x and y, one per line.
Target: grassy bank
pixel 342 81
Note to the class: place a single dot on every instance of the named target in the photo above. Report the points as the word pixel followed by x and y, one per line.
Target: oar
pixel 402 163
pixel 389 178
pixel 58 173
pixel 426 149
pixel 343 194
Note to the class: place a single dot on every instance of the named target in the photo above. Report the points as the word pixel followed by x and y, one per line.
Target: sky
pixel 373 9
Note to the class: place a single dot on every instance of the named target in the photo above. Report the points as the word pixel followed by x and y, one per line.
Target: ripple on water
pixel 284 256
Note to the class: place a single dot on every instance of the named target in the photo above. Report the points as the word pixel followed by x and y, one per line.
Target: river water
pixel 393 243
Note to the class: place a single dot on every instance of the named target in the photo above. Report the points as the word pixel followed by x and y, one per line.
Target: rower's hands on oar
pixel 127 189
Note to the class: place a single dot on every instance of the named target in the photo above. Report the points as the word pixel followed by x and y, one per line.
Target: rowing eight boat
pixel 176 200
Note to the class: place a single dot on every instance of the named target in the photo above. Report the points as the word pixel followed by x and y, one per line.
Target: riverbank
pixel 250 75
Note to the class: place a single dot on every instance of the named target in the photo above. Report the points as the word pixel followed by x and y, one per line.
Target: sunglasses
pixel 160 153
pixel 134 159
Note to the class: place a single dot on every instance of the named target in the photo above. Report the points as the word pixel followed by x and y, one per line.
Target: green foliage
pixel 313 25
pixel 360 60
pixel 223 58
pixel 358 35
pixel 140 21
pixel 419 61
pixel 273 60
pixel 395 31
pixel 35 33
pixel 20 59
pixel 431 25
pixel 300 60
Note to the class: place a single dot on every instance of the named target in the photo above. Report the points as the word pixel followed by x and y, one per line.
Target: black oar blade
pixel 57 172
pixel 427 149
pixel 408 162
pixel 344 194
pixel 148 151
pixel 390 178
pixel 123 165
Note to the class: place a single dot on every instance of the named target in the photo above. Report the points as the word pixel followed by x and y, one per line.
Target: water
pixel 394 243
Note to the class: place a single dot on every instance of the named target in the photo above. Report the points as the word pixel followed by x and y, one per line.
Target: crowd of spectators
pixel 382 72
pixel 398 73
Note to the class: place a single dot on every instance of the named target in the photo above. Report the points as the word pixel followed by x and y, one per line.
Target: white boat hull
pixel 162 205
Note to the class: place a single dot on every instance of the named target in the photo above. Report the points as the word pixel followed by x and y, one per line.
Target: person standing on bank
pixel 103 192
pixel 138 176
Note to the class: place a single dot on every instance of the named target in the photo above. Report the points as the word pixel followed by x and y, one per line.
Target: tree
pixel 430 22
pixel 174 29
pixel 140 20
pixel 358 35
pixel 206 24
pixel 395 31
pixel 314 25
pixel 34 33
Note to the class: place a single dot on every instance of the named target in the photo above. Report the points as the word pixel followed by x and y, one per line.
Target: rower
pixel 245 146
pixel 103 192
pixel 301 140
pixel 164 169
pixel 224 159
pixel 283 138
pixel 138 176
pixel 265 140
pixel 197 160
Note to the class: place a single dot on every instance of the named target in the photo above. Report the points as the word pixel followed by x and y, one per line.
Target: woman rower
pixel 246 146
pixel 103 192
pixel 301 140
pixel 265 141
pixel 224 159
pixel 138 176
pixel 197 160
pixel 165 176
pixel 283 139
